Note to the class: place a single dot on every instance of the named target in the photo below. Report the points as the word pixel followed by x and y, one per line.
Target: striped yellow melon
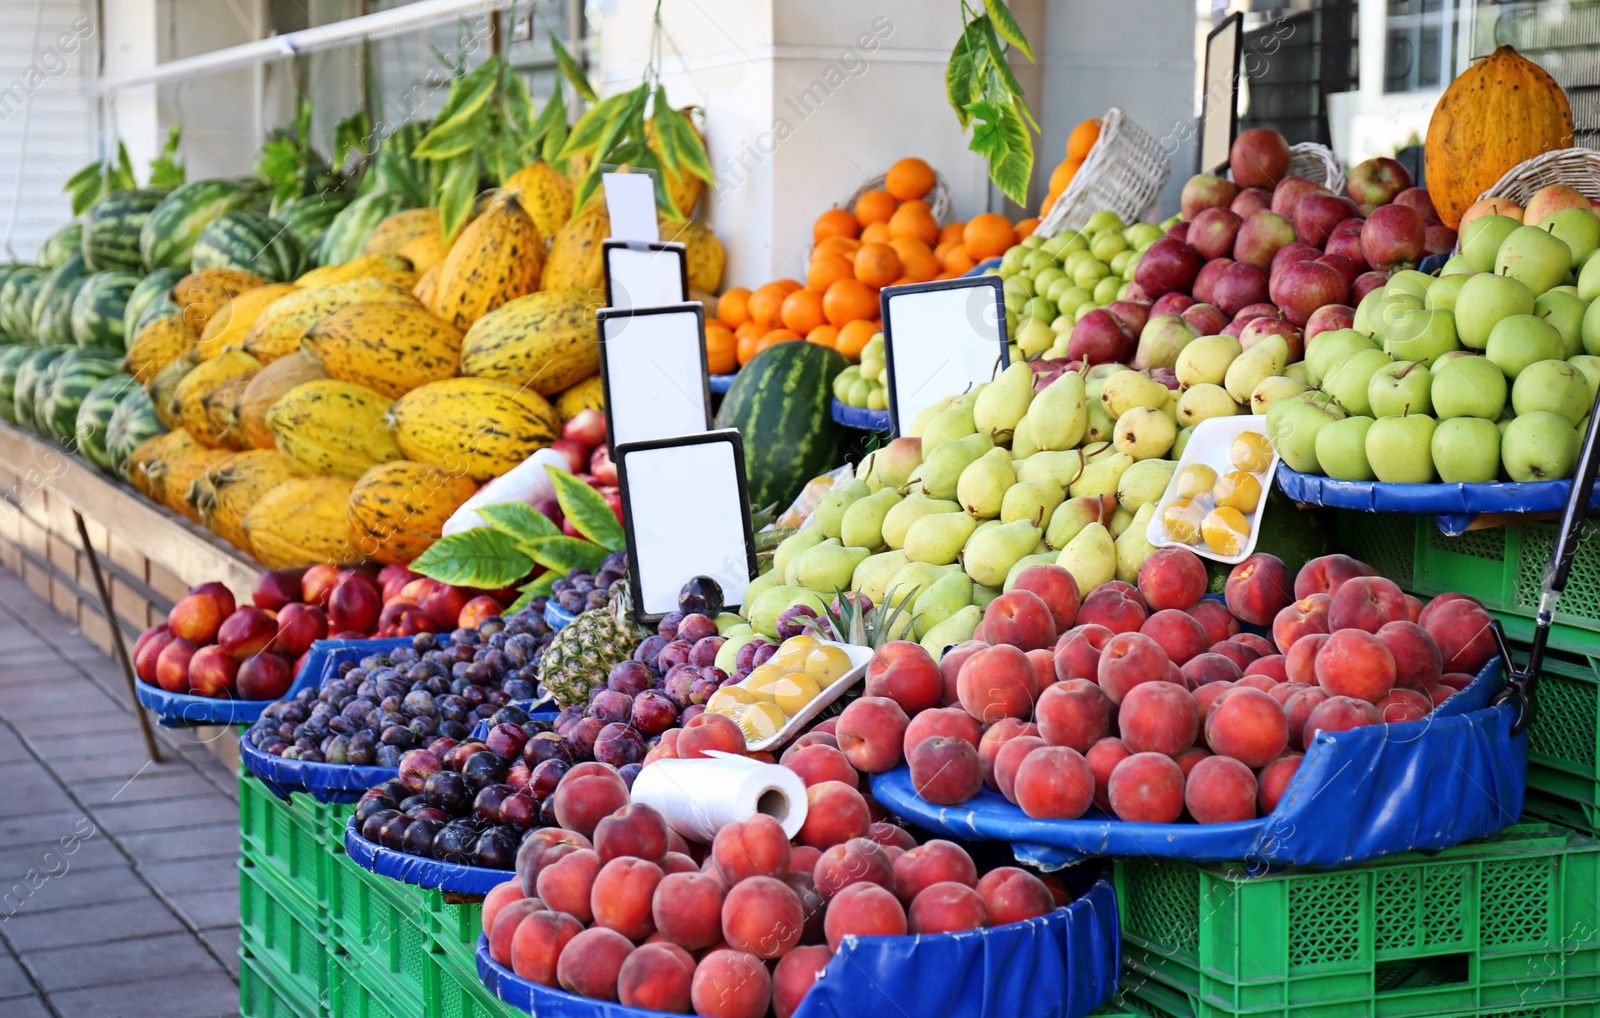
pixel 545 193
pixel 163 389
pixel 389 268
pixel 225 492
pixel 178 472
pixel 397 509
pixel 188 399
pixel 232 321
pixel 425 251
pixel 301 522
pixel 269 385
pixel 703 255
pixel 576 262
pixel 389 236
pixel 588 394
pixel 199 295
pixel 475 426
pixel 428 285
pixel 279 329
pixel 392 348
pixel 158 344
pixel 146 469
pixel 545 341
pixel 497 258
pixel 332 427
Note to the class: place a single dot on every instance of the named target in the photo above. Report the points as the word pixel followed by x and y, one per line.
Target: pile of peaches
pixel 1147 701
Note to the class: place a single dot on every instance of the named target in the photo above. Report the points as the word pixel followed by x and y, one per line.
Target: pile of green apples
pixel 865 385
pixel 1485 373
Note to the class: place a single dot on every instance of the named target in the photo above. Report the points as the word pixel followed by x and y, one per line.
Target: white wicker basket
pixel 938 199
pixel 1318 164
pixel 1576 167
pixel 1123 173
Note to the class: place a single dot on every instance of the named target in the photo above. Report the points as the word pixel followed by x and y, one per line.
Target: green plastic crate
pixel 264 992
pixel 385 926
pixel 463 995
pixel 278 926
pixel 1151 1000
pixel 364 989
pixel 1564 741
pixel 457 926
pixel 1502 924
pixel 294 839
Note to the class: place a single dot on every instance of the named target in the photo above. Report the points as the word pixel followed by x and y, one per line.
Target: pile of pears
pixel 865 385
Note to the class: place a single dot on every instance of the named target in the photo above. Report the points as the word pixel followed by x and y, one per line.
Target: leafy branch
pixel 99 178
pixel 987 97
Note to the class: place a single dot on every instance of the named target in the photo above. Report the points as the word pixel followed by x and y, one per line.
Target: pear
pixel 1101 478
pixel 1297 371
pixel 874 572
pixel 982 486
pixel 760 585
pixel 944 597
pixel 830 511
pixel 1127 389
pixel 911 580
pixel 764 610
pixel 1206 360
pixel 1268 391
pixel 828 568
pixel 801 540
pixel 1119 522
pixel 1133 546
pixel 1001 403
pixel 1100 423
pixel 1098 451
pixel 1170 407
pixel 908 511
pixel 937 538
pixel 1144 433
pixel 954 630
pixel 981 595
pixel 1059 468
pixel 942 468
pixel 791 569
pixel 1181 442
pixel 892 465
pixel 902 628
pixel 988 556
pixel 1144 482
pixel 1059 416
pixel 1267 358
pixel 862 526
pixel 1203 402
pixel 1022 443
pixel 927 414
pixel 953 423
pixel 1031 500
pixel 1044 558
pixel 1091 558
pixel 1071 517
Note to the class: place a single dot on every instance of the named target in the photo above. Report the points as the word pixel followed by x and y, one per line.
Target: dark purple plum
pixel 483 769
pixel 583 735
pixel 506 740
pixel 627 772
pixel 703 686
pixel 411 803
pixel 547 813
pixel 668 626
pixel 486 806
pixel 630 677
pixel 695 628
pixel 745 659
pixel 419 837
pixel 375 804
pixel 449 791
pixel 394 789
pixel 680 685
pixel 496 849
pixel 691 712
pixel 763 652
pixel 546 746
pixel 393 832
pixel 546 777
pixel 653 713
pixel 609 706
pixel 429 813
pixel 509 715
pixel 454 842
pixel 674 653
pixel 619 744
pixel 520 810
pixel 649 649
pixel 704 652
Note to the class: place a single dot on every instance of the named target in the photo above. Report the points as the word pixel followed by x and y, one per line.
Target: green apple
pixel 1048 277
pixel 1564 311
pixel 1536 256
pixel 1540 446
pixel 1445 358
pixel 1555 386
pixel 1469 386
pixel 1485 298
pixel 1589 331
pixel 1143 233
pixel 1455 266
pixel 1400 449
pixel 1589 278
pixel 1410 281
pixel 1422 336
pixel 1123 263
pixel 1590 366
pixel 1090 272
pixel 1362 320
pixel 1342 449
pixel 1521 340
pixel 1064 243
pixel 1328 350
pixel 1107 245
pixel 1578 228
pixel 1401 388
pixel 1297 426
pixel 1482 238
pixel 1072 298
pixel 1349 383
pixel 1388 311
pixel 1104 220
pixel 1070 263
pixel 1466 450
pixel 1275 413
pixel 1108 289
pixel 1442 294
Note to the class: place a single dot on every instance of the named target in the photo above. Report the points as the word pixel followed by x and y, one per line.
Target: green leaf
pixel 471 91
pixel 1007 26
pixel 958 78
pixel 1011 172
pixel 519 520
pixel 85 186
pixel 997 61
pixel 563 554
pixel 165 170
pixel 122 178
pixel 457 136
pixel 518 105
pixel 572 71
pixel 673 128
pixel 550 149
pixel 555 111
pixel 592 126
pixel 457 192
pixel 665 140
pixel 538 588
pixel 987 138
pixel 350 135
pixel 480 557
pixel 587 510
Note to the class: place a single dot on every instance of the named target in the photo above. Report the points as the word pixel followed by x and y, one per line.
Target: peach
pixel 1044 668
pixel 1325 574
pixel 794 975
pixel 1413 607
pixel 817 763
pixel 1236 652
pixel 1418 664
pixel 1260 644
pixel 1074 713
pixel 1114 609
pixel 999 682
pixel 538 943
pixel 1307 615
pixel 706 732
pixel 803 858
pixel 1054 782
pixel 1009 759
pixel 1273 666
pixel 1207 695
pixel 541 848
pixel 811 738
pixel 1055 586
pixel 1220 790
pixel 863 910
pixel 1367 603
pixel 656 977
pixel 1461 629
pixel 947 908
pixel 950 670
pixel 1019 618
pixel 1354 662
pixel 756 847
pixel 871 730
pixel 591 963
pixel 1339 714
pixel 1177 632
pixel 1456 680
pixel 935 862
pixel 1204 669
pixel 1258 588
pixel 1260 682
pixel 995 736
pixel 1172 578
pixel 1215 617
pixel 199 616
pixel 888 835
pixel 1404 705
pixel 1300 663
pixel 1103 758
pixel 1441 693
pixel 946 771
pixel 763 916
pixel 1247 725
pixel 904 672
pixel 1297 709
pixel 811 905
pixel 1147 788
pixel 857 860
pixel 566 885
pixel 1281 691
pixel 1432 607
pixel 503 895
pixel 1158 717
pixel 636 830
pixel 952 722
pixel 622 894
pixel 1012 895
pixel 587 794
pixel 1189 757
pixel 835 813
pixel 1128 660
pixel 731 984
pixel 504 928
pixel 1078 652
pixel 687 909
pixel 1274 781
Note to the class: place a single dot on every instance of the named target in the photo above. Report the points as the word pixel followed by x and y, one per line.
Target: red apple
pixel 1258 158
pixel 1286 197
pixel 1168 264
pixel 247 631
pixel 1318 215
pixel 1205 191
pixel 1260 237
pixel 1304 287
pixel 1393 237
pixel 1438 238
pixel 1205 319
pixel 1326 319
pixel 1366 283
pixel 1100 337
pixel 264 677
pixel 212 672
pixel 1342 265
pixel 1213 232
pixel 299 625
pixel 354 605
pixel 1243 283
pixel 172 665
pixel 1418 198
pixel 1174 303
pixel 277 587
pixel 1251 199
pixel 587 426
pixel 1377 181
pixel 1205 281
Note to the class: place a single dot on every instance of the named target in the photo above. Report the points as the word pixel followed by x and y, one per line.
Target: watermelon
pixel 132 423
pixel 308 218
pixel 33 367
pixel 69 381
pixel 11 359
pixel 168 235
pixel 795 439
pixel 111 229
pixel 393 168
pixel 16 302
pixel 154 289
pixel 60 245
pixel 52 308
pixel 94 417
pixel 346 239
pixel 98 309
pixel 249 242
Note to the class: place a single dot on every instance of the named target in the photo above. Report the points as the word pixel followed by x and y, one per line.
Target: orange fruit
pixel 1026 227
pixel 874 207
pixel 903 281
pixel 789 285
pixel 722 350
pixel 958 261
pixel 746 337
pixel 827 269
pixel 915 219
pixel 1049 200
pixel 854 335
pixel 908 179
pixel 1082 139
pixel 847 246
pixel 947 274
pixel 834 223
pixel 951 233
pixel 774 337
pixel 1062 175
pixel 877 264
pixel 989 235
pixel 823 335
pixel 848 300
pixel 875 233
pixel 916 260
pixel 766 304
pixel 802 311
pixel 733 307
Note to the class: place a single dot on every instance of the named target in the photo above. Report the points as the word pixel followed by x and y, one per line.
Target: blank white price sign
pixel 640 274
pixel 653 371
pixel 939 339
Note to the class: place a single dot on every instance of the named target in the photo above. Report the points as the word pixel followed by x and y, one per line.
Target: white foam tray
pixel 1209 445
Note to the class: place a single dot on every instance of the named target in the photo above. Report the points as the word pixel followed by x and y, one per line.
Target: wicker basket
pixel 1576 167
pixel 1124 173
pixel 938 199
pixel 1318 164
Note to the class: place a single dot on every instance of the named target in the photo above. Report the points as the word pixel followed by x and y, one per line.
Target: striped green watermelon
pixel 34 367
pixel 132 423
pixel 16 302
pixel 60 245
pixel 394 168
pixel 98 309
pixel 346 239
pixel 52 307
pixel 795 439
pixel 308 218
pixel 111 229
pixel 249 242
pixel 152 290
pixel 11 359
pixel 94 417
pixel 69 381
pixel 168 236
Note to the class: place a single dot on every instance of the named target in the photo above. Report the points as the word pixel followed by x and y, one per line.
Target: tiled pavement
pixel 119 887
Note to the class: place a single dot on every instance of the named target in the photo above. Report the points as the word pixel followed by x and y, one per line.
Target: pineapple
pixel 583 654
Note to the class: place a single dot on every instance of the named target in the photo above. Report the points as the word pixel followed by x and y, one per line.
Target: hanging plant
pixel 100 178
pixel 987 97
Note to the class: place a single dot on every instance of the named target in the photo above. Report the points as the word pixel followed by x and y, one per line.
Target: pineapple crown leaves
pixel 853 624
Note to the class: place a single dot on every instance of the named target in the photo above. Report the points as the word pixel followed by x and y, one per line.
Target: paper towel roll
pixel 700 797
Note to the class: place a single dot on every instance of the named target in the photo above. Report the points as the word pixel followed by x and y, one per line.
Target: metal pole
pixel 149 734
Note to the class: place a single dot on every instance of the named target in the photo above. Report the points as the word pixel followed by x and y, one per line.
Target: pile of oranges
pixel 1079 142
pixel 890 238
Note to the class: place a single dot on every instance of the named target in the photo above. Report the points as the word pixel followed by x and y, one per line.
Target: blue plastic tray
pixel 556 617
pixel 860 417
pixel 413 869
pixel 1372 791
pixel 721 383
pixel 1452 505
pixel 1063 965
pixel 324 782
